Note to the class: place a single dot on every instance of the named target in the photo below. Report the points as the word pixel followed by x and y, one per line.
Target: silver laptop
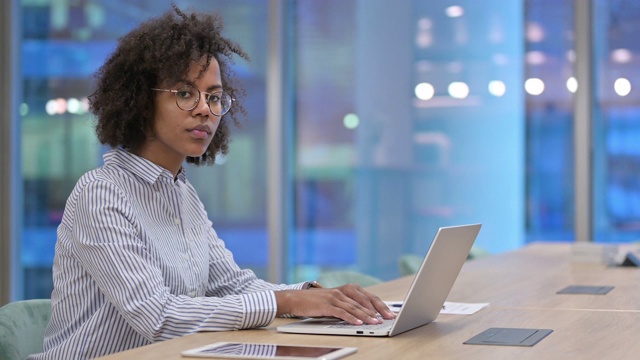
pixel 425 298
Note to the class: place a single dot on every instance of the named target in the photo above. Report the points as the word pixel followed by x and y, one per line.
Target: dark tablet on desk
pixel 581 289
pixel 509 337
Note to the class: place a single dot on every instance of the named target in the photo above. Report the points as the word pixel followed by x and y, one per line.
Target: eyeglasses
pixel 188 97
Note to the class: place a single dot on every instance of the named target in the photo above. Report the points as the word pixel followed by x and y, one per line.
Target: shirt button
pixel 192 294
pixel 176 221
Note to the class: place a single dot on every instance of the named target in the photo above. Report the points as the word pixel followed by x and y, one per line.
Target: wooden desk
pixel 531 276
pixel 578 334
pixel 585 326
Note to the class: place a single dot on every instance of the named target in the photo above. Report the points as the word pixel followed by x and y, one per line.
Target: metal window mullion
pixel 277 148
pixel 583 120
pixel 11 175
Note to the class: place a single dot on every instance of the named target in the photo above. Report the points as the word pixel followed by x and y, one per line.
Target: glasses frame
pixel 207 96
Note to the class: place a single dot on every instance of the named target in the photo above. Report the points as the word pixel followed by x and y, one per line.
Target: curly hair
pixel 161 50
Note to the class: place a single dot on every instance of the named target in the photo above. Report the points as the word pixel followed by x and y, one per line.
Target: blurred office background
pixel 396 118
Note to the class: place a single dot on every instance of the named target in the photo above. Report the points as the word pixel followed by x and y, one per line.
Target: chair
pixel 22 325
pixel 409 264
pixel 336 278
pixel 477 253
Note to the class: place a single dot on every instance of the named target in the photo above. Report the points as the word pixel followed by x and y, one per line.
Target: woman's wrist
pixel 312 285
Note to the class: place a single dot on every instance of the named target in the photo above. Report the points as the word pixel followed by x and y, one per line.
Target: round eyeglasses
pixel 188 97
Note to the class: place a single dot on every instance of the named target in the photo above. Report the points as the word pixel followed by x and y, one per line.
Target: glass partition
pixel 409 116
pixel 616 126
pixel 549 84
pixel 63 43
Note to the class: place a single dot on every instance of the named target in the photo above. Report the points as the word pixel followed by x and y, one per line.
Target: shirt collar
pixel 139 166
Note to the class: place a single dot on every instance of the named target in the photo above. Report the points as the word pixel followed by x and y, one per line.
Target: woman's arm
pixel 117 253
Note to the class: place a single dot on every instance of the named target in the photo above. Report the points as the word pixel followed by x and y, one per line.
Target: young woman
pixel 137 259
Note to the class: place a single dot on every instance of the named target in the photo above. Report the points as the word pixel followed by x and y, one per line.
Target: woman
pixel 137 259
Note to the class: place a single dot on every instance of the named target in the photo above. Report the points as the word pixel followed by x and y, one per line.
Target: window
pixel 58 139
pixel 399 130
pixel 407 116
pixel 549 81
pixel 616 128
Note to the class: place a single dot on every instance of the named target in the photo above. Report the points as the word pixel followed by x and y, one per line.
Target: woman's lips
pixel 200 132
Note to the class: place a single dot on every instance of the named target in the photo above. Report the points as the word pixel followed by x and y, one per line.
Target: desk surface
pixel 521 289
pixel 531 276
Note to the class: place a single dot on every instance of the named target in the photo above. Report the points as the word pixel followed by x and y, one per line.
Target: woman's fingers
pixel 357 310
pixel 350 303
pixel 368 300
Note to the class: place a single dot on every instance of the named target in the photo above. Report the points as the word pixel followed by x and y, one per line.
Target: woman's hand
pixel 350 302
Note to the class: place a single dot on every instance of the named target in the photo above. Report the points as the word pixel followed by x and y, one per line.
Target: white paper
pixel 454 308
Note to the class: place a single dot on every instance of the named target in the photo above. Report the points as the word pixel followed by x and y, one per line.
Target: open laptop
pixel 425 298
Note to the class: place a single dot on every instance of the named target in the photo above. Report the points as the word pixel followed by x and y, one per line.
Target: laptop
pixel 427 294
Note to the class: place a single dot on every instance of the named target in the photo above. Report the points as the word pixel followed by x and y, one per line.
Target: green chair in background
pixel 22 325
pixel 477 253
pixel 341 277
pixel 410 264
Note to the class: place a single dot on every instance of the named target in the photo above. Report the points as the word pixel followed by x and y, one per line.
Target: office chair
pixel 22 325
pixel 477 252
pixel 341 277
pixel 409 264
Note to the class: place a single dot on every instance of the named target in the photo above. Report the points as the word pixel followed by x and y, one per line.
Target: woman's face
pixel 178 133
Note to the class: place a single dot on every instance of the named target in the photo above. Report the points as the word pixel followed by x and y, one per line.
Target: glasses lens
pixel 220 103
pixel 187 98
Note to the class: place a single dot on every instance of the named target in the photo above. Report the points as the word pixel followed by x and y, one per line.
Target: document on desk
pixel 453 308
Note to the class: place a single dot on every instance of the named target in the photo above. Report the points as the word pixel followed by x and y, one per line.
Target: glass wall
pixel 63 43
pixel 617 121
pixel 550 84
pixel 408 116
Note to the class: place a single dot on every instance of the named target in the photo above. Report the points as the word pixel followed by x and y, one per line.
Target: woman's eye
pixel 214 98
pixel 185 94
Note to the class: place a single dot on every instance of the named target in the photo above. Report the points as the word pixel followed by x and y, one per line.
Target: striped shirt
pixel 138 261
